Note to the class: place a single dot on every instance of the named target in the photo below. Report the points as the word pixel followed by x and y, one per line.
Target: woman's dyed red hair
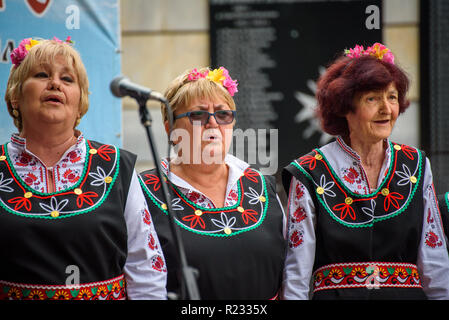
pixel 345 78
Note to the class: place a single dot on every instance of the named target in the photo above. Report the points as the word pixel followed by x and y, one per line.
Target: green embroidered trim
pixel 239 192
pixel 99 203
pixel 447 200
pixel 27 187
pixel 155 201
pixel 371 223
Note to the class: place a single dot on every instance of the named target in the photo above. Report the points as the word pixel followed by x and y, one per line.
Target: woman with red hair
pixel 363 215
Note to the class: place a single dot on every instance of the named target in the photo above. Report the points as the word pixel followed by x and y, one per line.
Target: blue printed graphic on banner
pixel 94 27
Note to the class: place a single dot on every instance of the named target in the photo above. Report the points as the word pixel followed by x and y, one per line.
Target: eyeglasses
pixel 221 116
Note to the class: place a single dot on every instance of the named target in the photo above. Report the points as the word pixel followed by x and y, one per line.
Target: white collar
pixel 20 143
pixel 353 154
pixel 236 169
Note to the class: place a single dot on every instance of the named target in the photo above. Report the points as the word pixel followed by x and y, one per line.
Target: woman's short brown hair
pixel 45 52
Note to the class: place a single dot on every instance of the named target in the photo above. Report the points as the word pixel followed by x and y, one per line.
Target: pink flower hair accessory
pixel 220 76
pixel 195 75
pixel 67 40
pixel 377 50
pixel 19 53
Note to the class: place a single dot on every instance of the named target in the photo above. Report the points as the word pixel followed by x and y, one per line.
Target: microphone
pixel 122 86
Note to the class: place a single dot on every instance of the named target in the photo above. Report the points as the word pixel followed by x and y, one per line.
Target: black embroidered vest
pixel 383 226
pixel 239 250
pixel 44 236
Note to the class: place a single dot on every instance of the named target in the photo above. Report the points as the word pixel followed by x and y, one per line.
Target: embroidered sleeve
pixel 145 270
pixel 301 243
pixel 433 259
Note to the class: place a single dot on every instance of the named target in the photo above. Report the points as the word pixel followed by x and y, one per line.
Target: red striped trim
pixel 18 140
pixel 366 275
pixel 347 148
pixel 112 289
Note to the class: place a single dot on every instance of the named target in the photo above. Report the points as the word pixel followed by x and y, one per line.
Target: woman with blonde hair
pixel 228 214
pixel 74 223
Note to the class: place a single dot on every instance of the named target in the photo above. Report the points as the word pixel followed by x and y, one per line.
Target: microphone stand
pixel 187 276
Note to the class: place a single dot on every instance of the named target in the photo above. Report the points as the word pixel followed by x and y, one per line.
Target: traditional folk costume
pixel 238 250
pixel 89 240
pixel 348 241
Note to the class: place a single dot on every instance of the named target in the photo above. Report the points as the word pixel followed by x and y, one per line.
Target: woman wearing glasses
pixel 228 214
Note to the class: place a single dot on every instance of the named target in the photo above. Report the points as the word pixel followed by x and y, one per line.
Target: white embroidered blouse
pixel 236 169
pixel 433 260
pixel 143 281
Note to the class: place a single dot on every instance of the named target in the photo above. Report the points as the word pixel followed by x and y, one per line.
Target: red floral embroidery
pixel 73 156
pixel 86 197
pixel 298 215
pixel 295 239
pixel 30 178
pixel 71 176
pixel 153 180
pixel 233 196
pixel 194 220
pixel 21 202
pixel 104 152
pixel 351 176
pixel 251 175
pixel 355 275
pixel 103 291
pixel 429 217
pixel 199 199
pixel 392 198
pixel 193 196
pixel 151 242
pixel 249 214
pixel 408 151
pixel 432 240
pixel 158 264
pixel 146 217
pixel 116 288
pixel 345 210
pixel 299 191
pixel 308 160
pixel 24 159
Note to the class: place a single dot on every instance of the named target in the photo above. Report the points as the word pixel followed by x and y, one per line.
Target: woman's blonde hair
pixel 182 91
pixel 45 52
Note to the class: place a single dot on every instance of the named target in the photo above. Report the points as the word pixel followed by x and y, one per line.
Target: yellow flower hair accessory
pixel 377 50
pixel 19 53
pixel 220 76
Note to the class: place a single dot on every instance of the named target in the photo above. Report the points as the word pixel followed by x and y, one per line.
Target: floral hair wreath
pixel 19 53
pixel 377 50
pixel 220 76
